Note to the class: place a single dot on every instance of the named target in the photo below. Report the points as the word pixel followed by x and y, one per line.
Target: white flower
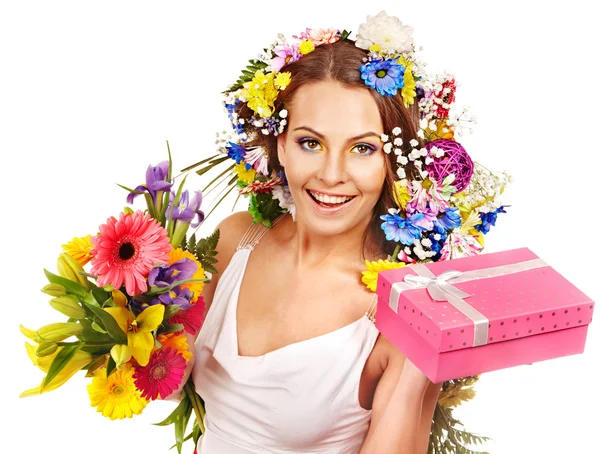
pixel 384 137
pixel 283 113
pixel 387 147
pixel 401 172
pixel 283 195
pixel 414 142
pixel 398 141
pixel 387 32
pixel 397 131
pixel 403 160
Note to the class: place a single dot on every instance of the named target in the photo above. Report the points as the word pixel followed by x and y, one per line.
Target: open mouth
pixel 329 201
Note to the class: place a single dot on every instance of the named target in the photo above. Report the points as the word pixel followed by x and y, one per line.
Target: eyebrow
pixel 321 136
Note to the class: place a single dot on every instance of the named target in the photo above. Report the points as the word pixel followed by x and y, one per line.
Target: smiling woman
pixel 295 363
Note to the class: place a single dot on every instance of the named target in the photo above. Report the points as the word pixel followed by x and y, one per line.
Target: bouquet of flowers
pixel 444 202
pixel 132 317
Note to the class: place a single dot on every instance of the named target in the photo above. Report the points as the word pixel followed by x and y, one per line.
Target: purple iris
pixel 397 228
pixel 386 76
pixel 157 179
pixel 449 220
pixel 166 275
pixel 179 296
pixel 186 210
pixel 488 220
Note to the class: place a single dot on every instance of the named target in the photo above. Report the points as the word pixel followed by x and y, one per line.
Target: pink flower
pixel 126 250
pixel 257 158
pixel 323 36
pixel 285 54
pixel 459 245
pixel 162 375
pixel 191 318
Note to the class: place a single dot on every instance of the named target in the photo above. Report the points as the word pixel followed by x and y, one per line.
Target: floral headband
pixel 445 190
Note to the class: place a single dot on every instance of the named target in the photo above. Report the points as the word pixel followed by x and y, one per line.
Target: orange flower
pixel 176 341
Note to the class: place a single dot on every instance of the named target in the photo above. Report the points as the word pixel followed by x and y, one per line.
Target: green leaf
pixel 172 328
pixel 183 407
pixel 112 365
pixel 98 328
pixel 71 286
pixel 91 335
pixel 60 361
pixel 129 189
pixel 345 35
pixel 199 163
pixel 170 311
pixel 192 244
pixel 110 324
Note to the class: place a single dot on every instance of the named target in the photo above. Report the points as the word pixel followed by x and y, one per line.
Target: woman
pixel 289 359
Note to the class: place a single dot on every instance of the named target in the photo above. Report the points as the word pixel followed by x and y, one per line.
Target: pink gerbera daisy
pixel 162 375
pixel 191 318
pixel 126 250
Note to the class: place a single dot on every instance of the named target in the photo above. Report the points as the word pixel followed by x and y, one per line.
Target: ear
pixel 281 140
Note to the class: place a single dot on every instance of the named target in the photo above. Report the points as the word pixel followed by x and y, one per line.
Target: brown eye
pixel 364 149
pixel 309 144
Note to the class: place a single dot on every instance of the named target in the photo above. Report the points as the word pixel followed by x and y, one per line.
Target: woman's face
pixel 333 156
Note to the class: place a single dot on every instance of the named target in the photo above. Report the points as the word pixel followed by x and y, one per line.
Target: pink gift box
pixel 520 310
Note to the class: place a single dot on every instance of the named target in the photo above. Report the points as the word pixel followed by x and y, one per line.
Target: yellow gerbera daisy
pixel 176 342
pixel 246 176
pixel 116 395
pixel 195 287
pixel 80 249
pixel 373 268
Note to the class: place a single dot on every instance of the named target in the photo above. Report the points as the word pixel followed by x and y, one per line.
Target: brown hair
pixel 340 62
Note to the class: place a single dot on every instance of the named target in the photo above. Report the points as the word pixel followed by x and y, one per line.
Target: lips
pixel 329 204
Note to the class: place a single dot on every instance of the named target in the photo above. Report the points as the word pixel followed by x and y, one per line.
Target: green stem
pixel 395 254
pixel 196 405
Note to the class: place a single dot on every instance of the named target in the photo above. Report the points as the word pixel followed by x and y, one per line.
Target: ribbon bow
pixel 438 287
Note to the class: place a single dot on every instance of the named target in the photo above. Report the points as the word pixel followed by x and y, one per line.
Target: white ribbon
pixel 440 288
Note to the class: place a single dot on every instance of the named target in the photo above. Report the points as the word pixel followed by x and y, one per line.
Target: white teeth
pixel 329 199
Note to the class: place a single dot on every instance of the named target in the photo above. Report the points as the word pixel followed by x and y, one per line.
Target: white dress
pixel 301 398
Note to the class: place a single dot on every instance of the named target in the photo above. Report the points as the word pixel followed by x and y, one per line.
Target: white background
pixel 91 91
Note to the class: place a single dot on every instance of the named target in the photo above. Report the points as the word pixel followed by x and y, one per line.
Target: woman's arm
pixel 231 230
pixel 402 410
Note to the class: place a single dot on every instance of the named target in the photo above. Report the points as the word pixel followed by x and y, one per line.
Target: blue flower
pixel 397 228
pixel 386 76
pixel 488 219
pixel 236 152
pixel 450 220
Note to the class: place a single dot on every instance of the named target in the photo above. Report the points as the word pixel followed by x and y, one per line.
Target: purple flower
pixel 397 228
pixel 285 54
pixel 186 210
pixel 166 275
pixel 386 76
pixel 179 296
pixel 157 179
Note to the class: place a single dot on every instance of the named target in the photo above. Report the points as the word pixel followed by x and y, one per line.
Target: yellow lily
pixel 139 329
pixel 79 360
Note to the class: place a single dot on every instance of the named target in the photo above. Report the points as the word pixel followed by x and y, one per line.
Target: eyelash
pixel 302 141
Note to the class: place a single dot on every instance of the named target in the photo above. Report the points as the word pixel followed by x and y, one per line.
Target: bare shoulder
pixel 231 230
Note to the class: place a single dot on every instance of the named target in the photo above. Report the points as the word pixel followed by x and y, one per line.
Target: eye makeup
pixel 370 149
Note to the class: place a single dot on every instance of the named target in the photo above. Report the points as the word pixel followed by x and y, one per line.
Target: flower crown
pixel 444 204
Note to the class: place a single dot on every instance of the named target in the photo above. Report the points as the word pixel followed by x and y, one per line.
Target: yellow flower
pixel 116 396
pixel 374 47
pixel 139 329
pixel 195 287
pixel 409 90
pixel 176 342
pixel 246 176
pixel 80 249
pixel 454 396
pixel 283 80
pixel 78 361
pixel 401 196
pixel 260 93
pixel 442 131
pixel 306 47
pixel 373 268
pixel 119 298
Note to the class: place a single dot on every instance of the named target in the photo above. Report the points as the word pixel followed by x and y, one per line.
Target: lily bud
pixel 46 348
pixel 69 306
pixel 119 298
pixel 120 353
pixel 54 290
pixel 58 331
pixel 70 268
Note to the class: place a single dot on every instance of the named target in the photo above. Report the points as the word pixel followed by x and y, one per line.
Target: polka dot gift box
pixel 466 316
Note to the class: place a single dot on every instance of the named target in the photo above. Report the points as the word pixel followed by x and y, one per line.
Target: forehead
pixel 333 109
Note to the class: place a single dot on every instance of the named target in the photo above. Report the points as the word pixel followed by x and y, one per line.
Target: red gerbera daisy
pixel 262 186
pixel 126 250
pixel 191 318
pixel 162 375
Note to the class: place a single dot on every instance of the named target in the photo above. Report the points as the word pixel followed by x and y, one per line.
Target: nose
pixel 333 170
